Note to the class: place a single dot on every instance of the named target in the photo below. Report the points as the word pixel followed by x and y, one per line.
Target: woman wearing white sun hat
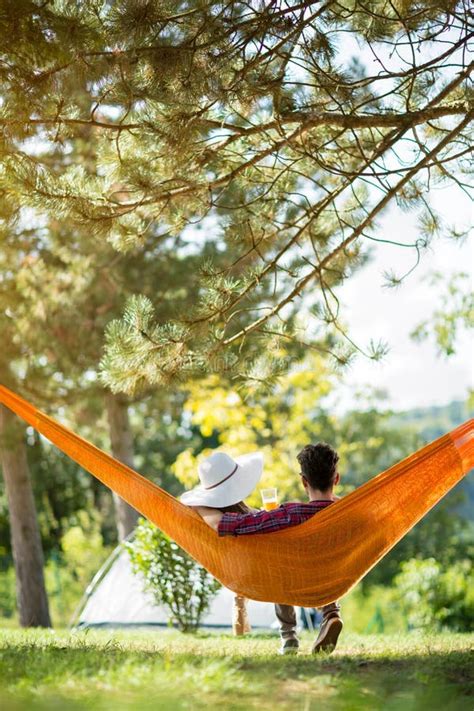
pixel 225 481
pixel 224 484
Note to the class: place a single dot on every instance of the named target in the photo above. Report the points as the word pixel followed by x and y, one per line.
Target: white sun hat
pixel 225 481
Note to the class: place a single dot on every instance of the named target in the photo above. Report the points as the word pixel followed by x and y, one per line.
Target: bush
pixel 69 571
pixel 373 610
pixel 172 576
pixel 437 597
pixel 7 593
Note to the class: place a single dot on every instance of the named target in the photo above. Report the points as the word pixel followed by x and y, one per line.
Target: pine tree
pixel 264 123
pixel 64 285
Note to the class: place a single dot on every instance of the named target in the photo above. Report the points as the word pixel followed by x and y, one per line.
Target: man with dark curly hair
pixel 319 476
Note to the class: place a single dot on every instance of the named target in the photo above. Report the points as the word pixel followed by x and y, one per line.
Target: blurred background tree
pixel 196 184
pixel 436 596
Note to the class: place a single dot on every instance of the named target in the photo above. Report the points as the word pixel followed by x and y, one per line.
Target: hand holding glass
pixel 269 499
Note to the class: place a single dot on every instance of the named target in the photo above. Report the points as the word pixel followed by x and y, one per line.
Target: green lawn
pixel 168 670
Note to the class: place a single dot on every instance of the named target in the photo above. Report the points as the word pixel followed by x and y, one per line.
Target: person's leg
pixel 331 626
pixel 286 615
pixel 333 607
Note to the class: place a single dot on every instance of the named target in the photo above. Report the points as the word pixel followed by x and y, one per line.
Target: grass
pixel 167 670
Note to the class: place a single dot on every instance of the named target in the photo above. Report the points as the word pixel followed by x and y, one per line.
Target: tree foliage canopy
pixel 280 129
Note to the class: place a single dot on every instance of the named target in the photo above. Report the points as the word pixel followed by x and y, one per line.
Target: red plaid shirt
pixel 234 524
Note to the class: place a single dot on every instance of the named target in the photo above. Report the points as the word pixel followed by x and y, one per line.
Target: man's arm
pixel 232 524
pixel 211 516
pixel 239 524
pixel 286 515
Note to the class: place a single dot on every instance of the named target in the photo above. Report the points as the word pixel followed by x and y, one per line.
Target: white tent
pixel 116 598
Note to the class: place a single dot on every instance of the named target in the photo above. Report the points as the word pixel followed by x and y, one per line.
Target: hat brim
pixel 230 492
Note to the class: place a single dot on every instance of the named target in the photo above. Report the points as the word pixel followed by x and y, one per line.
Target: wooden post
pixel 240 618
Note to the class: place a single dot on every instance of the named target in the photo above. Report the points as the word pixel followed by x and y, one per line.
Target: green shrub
pixel 7 593
pixel 373 610
pixel 172 576
pixel 69 571
pixel 437 597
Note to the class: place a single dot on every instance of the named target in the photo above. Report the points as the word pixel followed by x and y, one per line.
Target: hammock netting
pixel 311 564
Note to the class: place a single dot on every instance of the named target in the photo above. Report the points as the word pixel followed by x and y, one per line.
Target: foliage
pixel 7 592
pixel 263 126
pixel 176 581
pixel 68 570
pixel 94 671
pixel 82 545
pixel 454 313
pixel 436 597
pixel 435 421
pixel 62 491
pixel 443 534
pixel 373 609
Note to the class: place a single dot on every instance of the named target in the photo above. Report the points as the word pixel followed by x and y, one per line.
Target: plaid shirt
pixel 234 524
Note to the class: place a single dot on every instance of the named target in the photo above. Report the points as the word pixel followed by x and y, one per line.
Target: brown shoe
pixel 328 634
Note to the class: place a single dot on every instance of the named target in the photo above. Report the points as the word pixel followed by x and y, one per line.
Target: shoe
pixel 289 646
pixel 328 634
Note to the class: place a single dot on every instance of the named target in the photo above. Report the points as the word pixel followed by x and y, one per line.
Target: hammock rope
pixel 311 564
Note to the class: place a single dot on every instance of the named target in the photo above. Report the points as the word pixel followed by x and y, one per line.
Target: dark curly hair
pixel 318 464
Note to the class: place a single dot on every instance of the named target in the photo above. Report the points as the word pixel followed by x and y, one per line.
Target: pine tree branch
pixel 307 121
pixel 302 283
pixel 379 120
pixel 315 210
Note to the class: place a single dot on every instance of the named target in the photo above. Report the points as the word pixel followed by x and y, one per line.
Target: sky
pixel 413 374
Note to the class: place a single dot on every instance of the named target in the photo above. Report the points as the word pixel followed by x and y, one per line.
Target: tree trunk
pixel 28 558
pixel 121 440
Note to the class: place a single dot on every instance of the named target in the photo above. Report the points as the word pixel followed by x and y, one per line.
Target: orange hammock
pixel 311 564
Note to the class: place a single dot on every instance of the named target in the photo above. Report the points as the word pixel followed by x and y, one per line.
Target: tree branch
pixel 307 120
pixel 301 284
